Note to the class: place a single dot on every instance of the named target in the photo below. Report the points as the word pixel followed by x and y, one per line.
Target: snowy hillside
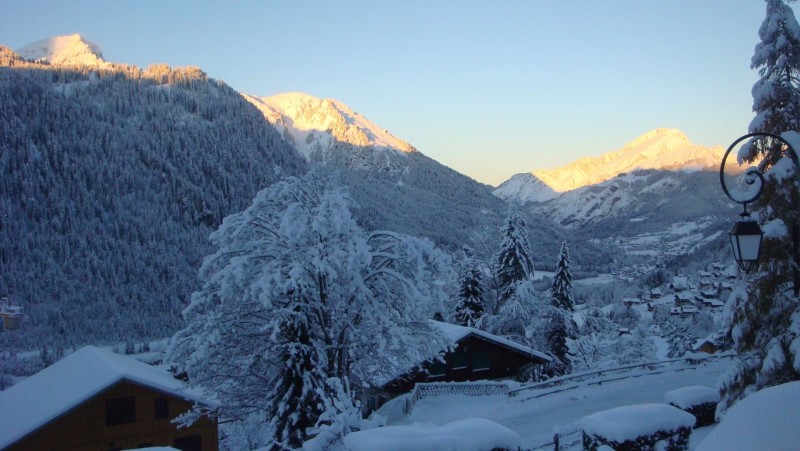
pixel 667 149
pixel 71 50
pixel 114 180
pixel 315 126
pixel 395 186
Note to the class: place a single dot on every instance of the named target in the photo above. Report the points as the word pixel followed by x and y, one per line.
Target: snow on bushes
pixel 473 434
pixel 698 400
pixel 637 427
pixel 766 419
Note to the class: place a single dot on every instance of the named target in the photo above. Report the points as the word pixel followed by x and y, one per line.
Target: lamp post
pixel 746 235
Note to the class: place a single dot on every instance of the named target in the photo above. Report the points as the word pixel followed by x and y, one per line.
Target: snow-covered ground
pixel 536 420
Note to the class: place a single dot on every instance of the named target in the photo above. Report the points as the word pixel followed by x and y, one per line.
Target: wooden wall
pixel 84 427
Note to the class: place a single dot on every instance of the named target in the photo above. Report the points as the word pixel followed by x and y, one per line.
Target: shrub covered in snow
pixel 637 427
pixel 767 419
pixel 698 400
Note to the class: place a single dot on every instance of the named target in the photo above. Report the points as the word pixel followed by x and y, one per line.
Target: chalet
pixel 713 303
pixel 684 310
pixel 725 286
pixel 679 283
pixel 629 302
pixel 706 284
pixel 623 331
pixel 707 346
pixel 656 293
pixel 10 315
pixel 474 355
pixel 95 399
pixel 684 298
pixel 709 294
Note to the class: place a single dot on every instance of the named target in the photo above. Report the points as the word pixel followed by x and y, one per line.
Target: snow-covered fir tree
pixel 470 304
pixel 297 254
pixel 763 318
pixel 561 290
pixel 680 337
pixel 560 326
pixel 776 98
pixel 514 262
pixel 294 404
pixel 559 329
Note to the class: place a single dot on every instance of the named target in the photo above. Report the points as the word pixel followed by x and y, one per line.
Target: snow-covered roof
pixel 456 333
pixel 71 381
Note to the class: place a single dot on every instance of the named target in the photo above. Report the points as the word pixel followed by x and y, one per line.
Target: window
pixel 161 408
pixel 437 369
pixel 480 360
pixel 120 410
pixel 190 443
pixel 459 360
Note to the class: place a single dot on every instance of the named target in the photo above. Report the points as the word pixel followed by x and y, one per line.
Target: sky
pixel 488 88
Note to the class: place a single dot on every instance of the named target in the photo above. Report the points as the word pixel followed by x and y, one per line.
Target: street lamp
pixel 746 235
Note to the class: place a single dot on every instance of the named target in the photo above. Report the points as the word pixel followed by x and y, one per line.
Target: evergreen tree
pixel 514 262
pixel 679 337
pixel 763 320
pixel 294 402
pixel 558 329
pixel 776 95
pixel 562 282
pixel 470 305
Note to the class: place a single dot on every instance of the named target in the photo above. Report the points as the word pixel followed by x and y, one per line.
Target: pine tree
pixel 558 330
pixel 776 98
pixel 562 282
pixel 514 263
pixel 294 402
pixel 470 305
pixel 763 319
pixel 679 338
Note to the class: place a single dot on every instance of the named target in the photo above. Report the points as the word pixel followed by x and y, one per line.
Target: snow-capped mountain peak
pixel 313 124
pixel 71 50
pixel 663 148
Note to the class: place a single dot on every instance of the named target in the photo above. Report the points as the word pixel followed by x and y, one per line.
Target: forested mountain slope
pixel 112 180
pixel 395 186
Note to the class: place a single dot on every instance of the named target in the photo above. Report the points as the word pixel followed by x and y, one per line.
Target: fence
pixel 574 380
pixel 426 390
pixel 572 440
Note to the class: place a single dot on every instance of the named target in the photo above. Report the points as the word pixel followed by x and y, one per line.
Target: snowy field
pixel 536 420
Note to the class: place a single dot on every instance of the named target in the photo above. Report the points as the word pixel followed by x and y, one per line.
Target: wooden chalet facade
pixel 10 315
pixel 117 403
pixel 476 355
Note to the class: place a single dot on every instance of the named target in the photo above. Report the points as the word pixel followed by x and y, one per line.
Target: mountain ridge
pixel 659 149
pixel 314 125
pixel 66 50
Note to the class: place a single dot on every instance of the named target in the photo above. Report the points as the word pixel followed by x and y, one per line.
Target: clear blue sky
pixel 488 88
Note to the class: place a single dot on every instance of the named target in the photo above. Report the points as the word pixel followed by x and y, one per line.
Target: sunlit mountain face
pixel 70 50
pixel 662 149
